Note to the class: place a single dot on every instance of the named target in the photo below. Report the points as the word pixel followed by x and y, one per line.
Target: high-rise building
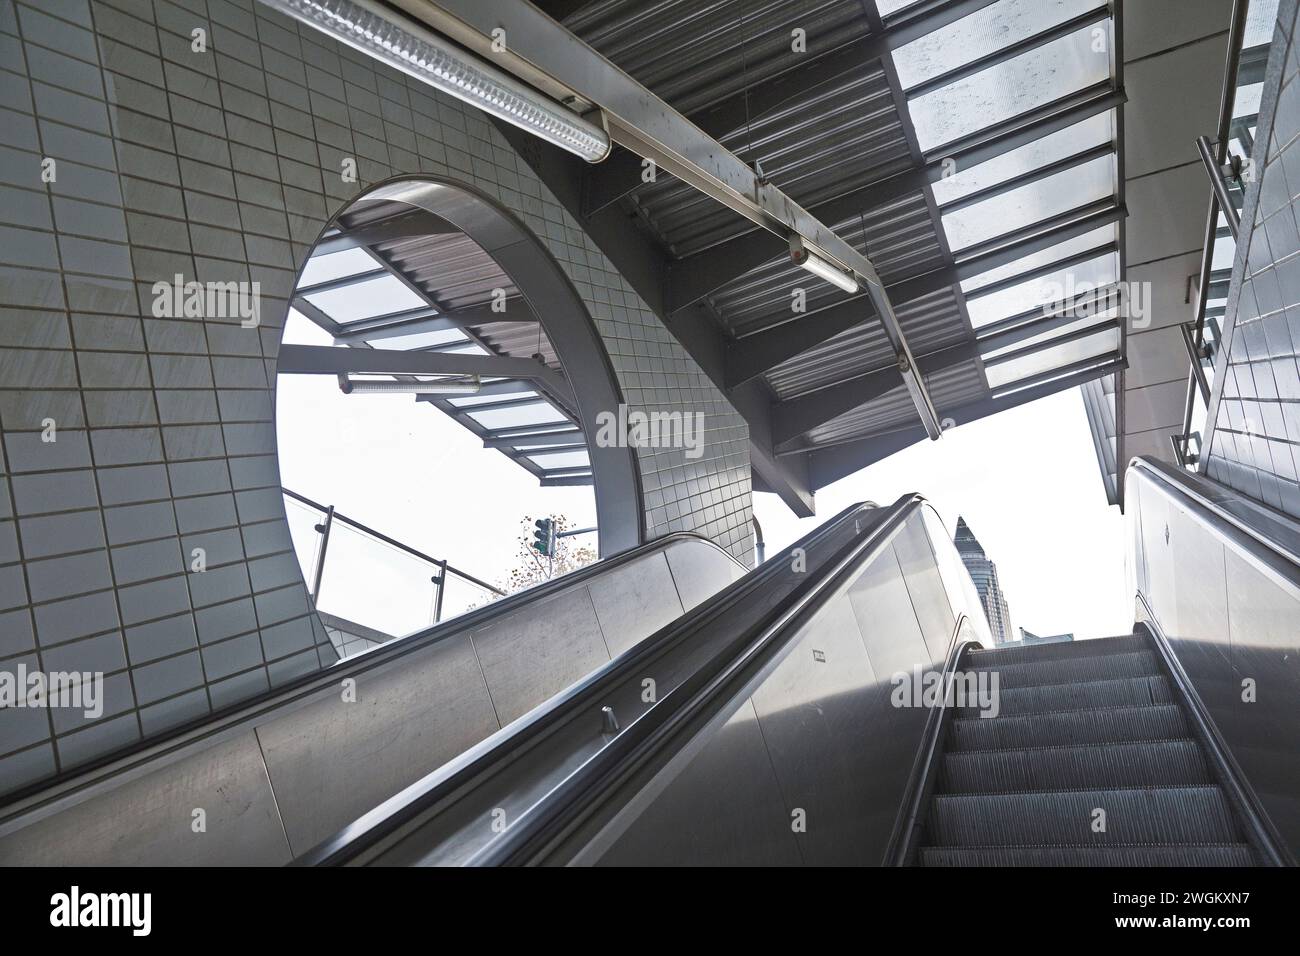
pixel 985 575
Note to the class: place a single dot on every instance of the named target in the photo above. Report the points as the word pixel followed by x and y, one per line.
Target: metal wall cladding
pixel 728 44
pixel 812 767
pixel 950 388
pixel 1231 621
pixel 932 323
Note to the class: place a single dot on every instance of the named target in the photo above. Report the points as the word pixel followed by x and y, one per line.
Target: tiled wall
pixel 218 165
pixel 1255 446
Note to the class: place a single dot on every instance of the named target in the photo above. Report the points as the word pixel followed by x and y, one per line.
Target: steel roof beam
pixel 326 360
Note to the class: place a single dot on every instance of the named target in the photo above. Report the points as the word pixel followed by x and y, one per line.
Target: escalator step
pixel 1209 854
pixel 1073 669
pixel 1158 815
pixel 1023 654
pixel 1151 763
pixel 1049 698
pixel 1106 725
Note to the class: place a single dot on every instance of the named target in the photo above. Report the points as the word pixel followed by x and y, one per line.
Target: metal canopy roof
pixel 966 147
pixel 391 277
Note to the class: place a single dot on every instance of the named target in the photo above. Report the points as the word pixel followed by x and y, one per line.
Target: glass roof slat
pixel 419 340
pixel 1057 253
pixel 472 400
pixel 1093 131
pixel 981 33
pixel 1043 290
pixel 1010 88
pixel 1010 211
pixel 1083 322
pixel 365 300
pixel 541 413
pixel 1057 357
pixel 335 265
pixel 561 459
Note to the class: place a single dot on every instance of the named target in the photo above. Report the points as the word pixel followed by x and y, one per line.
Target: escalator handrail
pixel 1268 538
pixel 902 845
pixel 496 751
pixel 647 744
pixel 229 719
pixel 1261 833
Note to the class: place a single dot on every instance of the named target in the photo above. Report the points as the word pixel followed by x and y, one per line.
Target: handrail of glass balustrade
pixel 352 522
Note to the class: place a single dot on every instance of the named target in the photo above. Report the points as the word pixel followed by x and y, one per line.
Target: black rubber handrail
pixel 902 846
pixel 253 708
pixel 419 803
pixel 1261 833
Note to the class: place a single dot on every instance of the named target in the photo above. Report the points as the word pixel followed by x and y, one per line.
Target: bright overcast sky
pixel 1028 483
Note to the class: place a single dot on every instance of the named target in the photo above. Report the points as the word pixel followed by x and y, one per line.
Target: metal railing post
pixel 441 579
pixel 323 529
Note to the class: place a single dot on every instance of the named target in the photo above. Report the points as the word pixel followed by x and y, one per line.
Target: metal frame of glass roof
pixel 404 280
pixel 968 147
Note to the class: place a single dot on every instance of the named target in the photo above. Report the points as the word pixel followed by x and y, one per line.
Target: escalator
pixel 767 727
pixel 784 718
pixel 1091 761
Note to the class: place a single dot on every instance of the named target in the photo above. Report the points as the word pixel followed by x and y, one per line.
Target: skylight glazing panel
pixel 1083 322
pixel 561 459
pixel 1043 292
pixel 1009 212
pixel 1099 346
pixel 1011 88
pixel 472 400
pixel 420 340
pixel 336 265
pixel 982 33
pixel 541 413
pixel 1091 132
pixel 1057 253
pixel 365 300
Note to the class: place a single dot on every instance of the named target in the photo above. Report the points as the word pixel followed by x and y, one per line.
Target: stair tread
pixel 1017 653
pixel 1093 725
pixel 1072 670
pixel 1083 695
pixel 1081 854
pixel 1170 815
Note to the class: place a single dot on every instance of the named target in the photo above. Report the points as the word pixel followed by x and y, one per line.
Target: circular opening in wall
pixel 437 385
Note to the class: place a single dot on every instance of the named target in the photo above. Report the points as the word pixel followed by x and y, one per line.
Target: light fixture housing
pixel 425 55
pixel 450 386
pixel 819 267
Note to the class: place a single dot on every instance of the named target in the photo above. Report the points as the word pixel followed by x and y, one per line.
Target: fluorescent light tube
pixel 820 267
pixel 428 57
pixel 451 386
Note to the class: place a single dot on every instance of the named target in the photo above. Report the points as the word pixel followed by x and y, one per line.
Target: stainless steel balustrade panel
pixel 528 657
pixel 307 765
pixel 840 751
pixel 151 820
pixel 630 602
pixel 724 809
pixel 332 760
pixel 1264 622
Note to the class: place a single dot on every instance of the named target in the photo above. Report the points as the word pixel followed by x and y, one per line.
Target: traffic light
pixel 544 537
